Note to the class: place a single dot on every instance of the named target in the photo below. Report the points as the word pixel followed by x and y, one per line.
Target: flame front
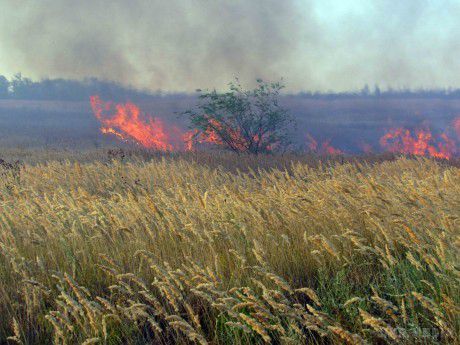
pixel 215 132
pixel 324 148
pixel 128 123
pixel 423 143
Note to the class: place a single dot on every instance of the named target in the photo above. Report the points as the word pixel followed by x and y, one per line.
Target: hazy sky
pixel 184 45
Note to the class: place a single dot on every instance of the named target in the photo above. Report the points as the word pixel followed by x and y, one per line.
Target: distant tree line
pixel 377 92
pixel 19 87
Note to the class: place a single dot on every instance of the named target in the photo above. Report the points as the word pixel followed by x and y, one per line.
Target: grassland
pixel 188 250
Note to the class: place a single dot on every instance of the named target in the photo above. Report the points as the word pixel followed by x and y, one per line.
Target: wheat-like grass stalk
pixel 173 251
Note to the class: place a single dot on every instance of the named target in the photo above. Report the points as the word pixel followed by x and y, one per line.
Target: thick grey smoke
pixel 174 44
pixel 186 44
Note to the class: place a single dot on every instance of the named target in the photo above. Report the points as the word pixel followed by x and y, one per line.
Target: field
pixel 348 123
pixel 137 248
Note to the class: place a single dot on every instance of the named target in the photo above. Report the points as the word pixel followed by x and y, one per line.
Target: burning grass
pixel 126 122
pixel 174 251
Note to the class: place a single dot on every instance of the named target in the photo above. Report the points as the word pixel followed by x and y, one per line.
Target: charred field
pixel 134 246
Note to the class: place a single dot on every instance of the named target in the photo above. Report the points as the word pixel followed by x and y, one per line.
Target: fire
pixel 216 133
pixel 210 135
pixel 188 138
pixel 127 122
pixel 422 143
pixel 366 148
pixel 324 148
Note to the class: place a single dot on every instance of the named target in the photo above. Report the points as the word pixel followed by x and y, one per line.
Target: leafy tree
pixel 241 120
pixel 21 86
pixel 4 84
pixel 365 91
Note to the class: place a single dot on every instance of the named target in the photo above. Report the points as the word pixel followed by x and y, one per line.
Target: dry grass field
pixel 175 250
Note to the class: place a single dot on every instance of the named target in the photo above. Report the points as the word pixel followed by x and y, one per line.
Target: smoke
pixel 173 44
pixel 183 45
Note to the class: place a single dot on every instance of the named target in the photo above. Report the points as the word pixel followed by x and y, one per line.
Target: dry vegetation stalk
pixel 170 250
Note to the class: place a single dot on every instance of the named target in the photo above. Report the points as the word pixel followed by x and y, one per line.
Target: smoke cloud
pixel 181 45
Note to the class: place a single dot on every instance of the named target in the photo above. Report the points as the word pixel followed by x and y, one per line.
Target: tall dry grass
pixel 172 251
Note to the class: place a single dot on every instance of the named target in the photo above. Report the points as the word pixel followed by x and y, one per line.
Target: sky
pixel 182 45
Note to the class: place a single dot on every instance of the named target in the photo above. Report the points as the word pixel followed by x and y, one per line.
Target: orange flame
pixel 126 122
pixel 188 138
pixel 218 134
pixel 365 147
pixel 400 140
pixel 324 148
pixel 211 134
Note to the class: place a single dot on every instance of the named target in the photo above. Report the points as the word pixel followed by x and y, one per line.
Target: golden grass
pixel 171 251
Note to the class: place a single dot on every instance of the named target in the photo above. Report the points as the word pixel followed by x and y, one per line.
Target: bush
pixel 241 120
